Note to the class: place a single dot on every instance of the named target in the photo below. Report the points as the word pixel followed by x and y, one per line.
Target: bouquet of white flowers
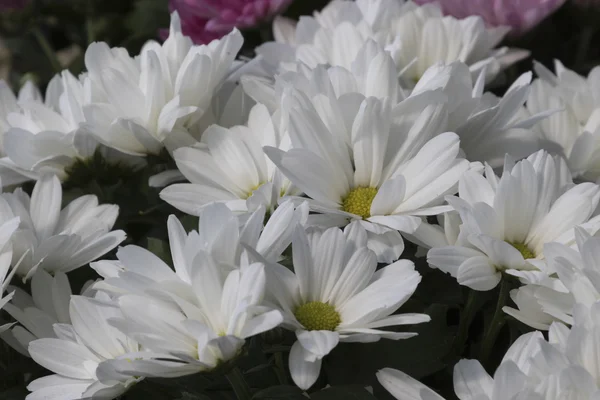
pixel 344 214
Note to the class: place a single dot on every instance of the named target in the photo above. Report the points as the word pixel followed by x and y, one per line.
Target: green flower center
pixel 317 316
pixel 523 249
pixel 359 201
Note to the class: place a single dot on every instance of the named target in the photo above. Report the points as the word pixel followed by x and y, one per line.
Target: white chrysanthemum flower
pixel 47 137
pixel 513 379
pixel 417 37
pixel 9 103
pixel 230 167
pixel 79 353
pixel 566 366
pixel 37 313
pixel 227 237
pixel 141 105
pixel 489 127
pixel 563 367
pixel 336 295
pixel 58 240
pixel 356 161
pixel 372 73
pixel 576 268
pixel 189 334
pixel 507 221
pixel 573 132
pixel 7 229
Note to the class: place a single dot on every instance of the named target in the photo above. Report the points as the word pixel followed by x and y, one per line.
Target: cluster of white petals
pixel 309 167
pixel 564 366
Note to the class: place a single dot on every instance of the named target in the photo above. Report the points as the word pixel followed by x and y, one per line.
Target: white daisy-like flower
pixel 577 267
pixel 565 366
pixel 507 221
pixel 573 132
pixel 372 73
pixel 336 295
pixel 141 105
pixel 46 136
pixel 7 229
pixel 356 161
pixel 230 167
pixel 37 313
pixel 416 36
pixel 79 353
pixel 10 103
pixel 231 240
pixel 189 334
pixel 514 379
pixel 58 240
pixel 489 127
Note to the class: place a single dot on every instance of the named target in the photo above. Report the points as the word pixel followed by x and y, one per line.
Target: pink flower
pixel 521 15
pixel 206 20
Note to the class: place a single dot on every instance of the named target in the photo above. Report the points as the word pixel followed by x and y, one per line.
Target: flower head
pixel 575 267
pixel 520 16
pixel 230 167
pixel 79 355
pixel 46 136
pixel 37 313
pixel 507 221
pixel 141 105
pixel 231 240
pixel 185 333
pixel 58 240
pixel 563 366
pixel 212 300
pixel 417 37
pixel 336 295
pixel 573 131
pixel 359 160
pixel 206 20
pixel 514 379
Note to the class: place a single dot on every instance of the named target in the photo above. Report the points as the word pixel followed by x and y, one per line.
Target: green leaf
pixel 350 392
pixel 280 392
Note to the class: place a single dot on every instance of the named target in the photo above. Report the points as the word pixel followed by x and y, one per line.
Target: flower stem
pixel 47 49
pixel 497 323
pixel 239 384
pixel 280 369
pixel 466 317
pixel 89 23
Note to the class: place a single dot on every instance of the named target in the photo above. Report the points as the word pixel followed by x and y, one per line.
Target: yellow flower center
pixel 523 249
pixel 252 190
pixel 317 316
pixel 359 201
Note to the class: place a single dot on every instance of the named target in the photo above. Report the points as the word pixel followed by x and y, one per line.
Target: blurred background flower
pixel 206 20
pixel 12 4
pixel 520 15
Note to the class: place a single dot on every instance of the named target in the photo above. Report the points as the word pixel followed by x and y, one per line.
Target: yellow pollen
pixel 359 201
pixel 252 190
pixel 523 249
pixel 317 316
